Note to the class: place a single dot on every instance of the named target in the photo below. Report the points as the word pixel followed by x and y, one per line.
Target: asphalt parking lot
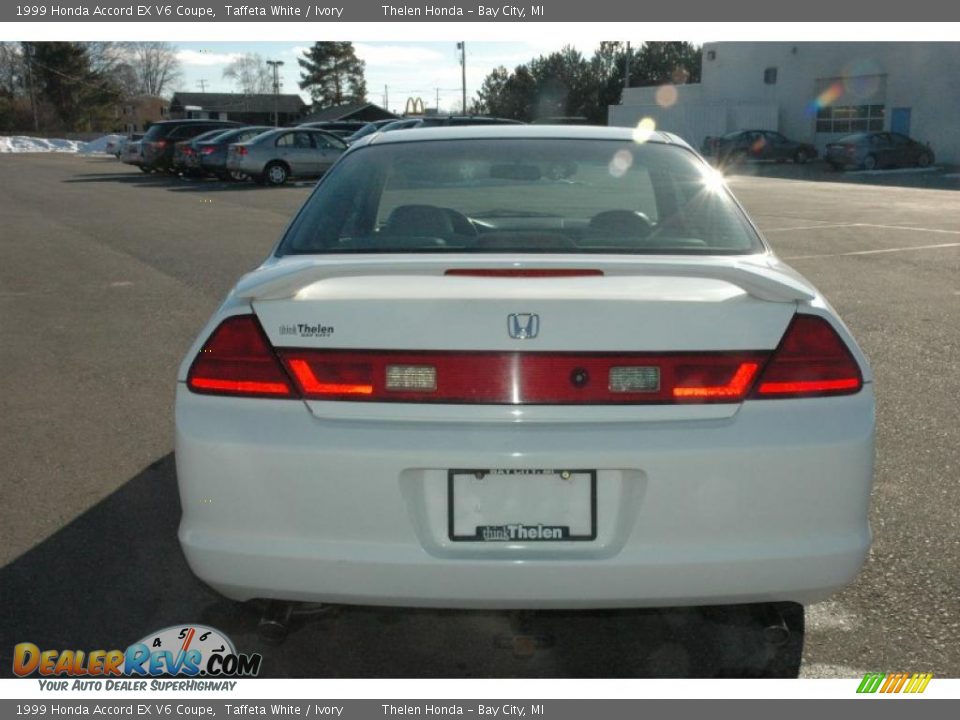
pixel 107 276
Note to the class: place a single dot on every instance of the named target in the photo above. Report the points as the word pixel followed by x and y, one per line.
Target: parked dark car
pixel 369 129
pixel 185 159
pixel 212 153
pixel 742 145
pixel 461 120
pixel 562 120
pixel 873 150
pixel 403 124
pixel 157 144
pixel 340 128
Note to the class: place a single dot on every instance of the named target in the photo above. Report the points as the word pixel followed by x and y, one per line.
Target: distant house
pixel 367 112
pixel 135 114
pixel 253 109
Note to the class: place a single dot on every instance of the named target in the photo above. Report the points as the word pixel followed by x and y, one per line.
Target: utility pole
pixel 27 53
pixel 386 98
pixel 438 101
pixel 462 47
pixel 202 82
pixel 275 64
pixel 626 68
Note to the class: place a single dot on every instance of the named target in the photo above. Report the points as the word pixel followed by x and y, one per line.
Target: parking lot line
pixel 875 252
pixel 867 225
pixel 810 227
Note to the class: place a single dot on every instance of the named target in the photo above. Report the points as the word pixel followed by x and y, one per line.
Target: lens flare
pixel 713 180
pixel 666 96
pixel 644 130
pixel 620 163
pixel 826 98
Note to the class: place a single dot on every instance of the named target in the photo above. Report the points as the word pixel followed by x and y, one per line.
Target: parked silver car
pixel 273 156
pixel 132 154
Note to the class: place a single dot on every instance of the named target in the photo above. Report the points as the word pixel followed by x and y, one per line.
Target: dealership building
pixel 812 91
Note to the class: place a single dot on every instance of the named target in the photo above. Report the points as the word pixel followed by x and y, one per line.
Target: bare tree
pixel 251 74
pixel 106 56
pixel 13 70
pixel 156 66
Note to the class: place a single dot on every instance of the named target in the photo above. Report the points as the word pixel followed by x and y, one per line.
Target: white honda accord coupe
pixel 524 367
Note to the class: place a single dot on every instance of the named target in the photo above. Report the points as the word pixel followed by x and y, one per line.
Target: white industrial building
pixel 812 91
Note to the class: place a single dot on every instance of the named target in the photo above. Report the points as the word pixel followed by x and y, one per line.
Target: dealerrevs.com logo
pixel 180 650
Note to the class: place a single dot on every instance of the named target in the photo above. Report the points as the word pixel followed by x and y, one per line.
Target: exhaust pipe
pixel 775 630
pixel 274 623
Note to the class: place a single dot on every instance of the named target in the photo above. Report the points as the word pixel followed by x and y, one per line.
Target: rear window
pixel 157 132
pixel 520 195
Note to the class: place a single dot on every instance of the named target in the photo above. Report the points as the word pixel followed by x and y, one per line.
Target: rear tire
pixel 801 157
pixel 924 160
pixel 276 173
pixel 870 162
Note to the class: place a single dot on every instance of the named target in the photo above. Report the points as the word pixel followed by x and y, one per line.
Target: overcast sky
pixel 408 69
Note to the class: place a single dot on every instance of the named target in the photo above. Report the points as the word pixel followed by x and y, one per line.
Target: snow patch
pixel 26 144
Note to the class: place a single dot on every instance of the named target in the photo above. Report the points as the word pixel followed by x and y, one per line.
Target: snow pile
pixel 100 145
pixel 25 144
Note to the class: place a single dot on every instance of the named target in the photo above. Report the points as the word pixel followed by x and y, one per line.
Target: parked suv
pixel 157 144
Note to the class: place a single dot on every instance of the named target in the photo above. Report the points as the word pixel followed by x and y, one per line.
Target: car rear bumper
pixel 245 164
pixel 213 163
pixel 768 505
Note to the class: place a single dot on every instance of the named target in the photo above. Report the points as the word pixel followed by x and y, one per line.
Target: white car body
pixel 758 500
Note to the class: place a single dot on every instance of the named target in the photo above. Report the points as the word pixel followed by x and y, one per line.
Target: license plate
pixel 522 506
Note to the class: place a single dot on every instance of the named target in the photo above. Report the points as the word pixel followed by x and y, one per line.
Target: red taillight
pixel 812 360
pixel 160 144
pixel 521 378
pixel 240 150
pixel 237 359
pixel 323 379
pixel 722 385
pixel 208 149
pixel 522 272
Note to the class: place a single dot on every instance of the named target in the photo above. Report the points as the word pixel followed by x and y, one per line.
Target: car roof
pixel 194 121
pixel 503 132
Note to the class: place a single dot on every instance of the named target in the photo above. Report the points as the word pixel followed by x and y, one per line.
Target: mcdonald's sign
pixel 414 106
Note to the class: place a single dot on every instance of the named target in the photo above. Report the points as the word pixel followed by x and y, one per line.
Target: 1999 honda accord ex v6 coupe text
pixel 524 367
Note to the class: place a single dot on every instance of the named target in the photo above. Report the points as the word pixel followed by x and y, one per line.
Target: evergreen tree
pixel 565 83
pixel 63 77
pixel 333 74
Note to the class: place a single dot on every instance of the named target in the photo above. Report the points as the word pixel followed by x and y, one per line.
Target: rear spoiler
pixel 761 282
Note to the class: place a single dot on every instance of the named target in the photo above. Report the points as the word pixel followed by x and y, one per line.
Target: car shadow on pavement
pixel 116 573
pixel 149 180
pixel 175 183
pixel 939 177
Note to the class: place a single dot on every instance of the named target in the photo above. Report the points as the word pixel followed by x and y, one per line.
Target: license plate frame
pixel 478 536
